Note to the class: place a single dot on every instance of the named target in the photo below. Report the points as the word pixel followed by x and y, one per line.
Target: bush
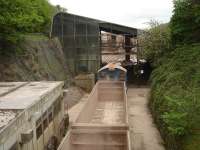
pixel 175 81
pixel 175 91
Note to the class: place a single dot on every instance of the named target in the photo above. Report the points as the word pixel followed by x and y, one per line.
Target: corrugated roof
pixel 25 95
pixel 105 25
pixel 6 87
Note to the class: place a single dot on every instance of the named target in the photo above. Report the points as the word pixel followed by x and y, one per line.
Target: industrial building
pixel 83 41
pixel 89 44
pixel 31 115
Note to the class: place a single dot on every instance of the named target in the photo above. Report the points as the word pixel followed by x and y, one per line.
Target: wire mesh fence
pixel 80 40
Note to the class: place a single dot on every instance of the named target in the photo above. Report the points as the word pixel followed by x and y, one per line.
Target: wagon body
pixel 103 122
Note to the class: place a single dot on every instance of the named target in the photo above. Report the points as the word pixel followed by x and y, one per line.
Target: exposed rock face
pixel 85 81
pixel 43 59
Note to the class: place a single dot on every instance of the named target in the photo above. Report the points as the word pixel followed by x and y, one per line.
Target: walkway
pixel 144 134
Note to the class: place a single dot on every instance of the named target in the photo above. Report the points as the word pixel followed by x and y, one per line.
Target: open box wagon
pixel 103 122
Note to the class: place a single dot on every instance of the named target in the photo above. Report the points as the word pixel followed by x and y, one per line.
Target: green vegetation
pixel 22 16
pixel 185 23
pixel 174 51
pixel 156 42
pixel 175 92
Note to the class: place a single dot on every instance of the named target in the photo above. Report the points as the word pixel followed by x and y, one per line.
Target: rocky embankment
pixel 42 59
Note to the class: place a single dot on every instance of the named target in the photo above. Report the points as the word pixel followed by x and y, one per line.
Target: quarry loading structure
pixel 31 115
pixel 83 41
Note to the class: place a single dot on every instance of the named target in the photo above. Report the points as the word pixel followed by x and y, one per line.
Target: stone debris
pixel 73 96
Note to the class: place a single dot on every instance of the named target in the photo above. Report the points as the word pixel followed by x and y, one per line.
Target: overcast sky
pixel 133 13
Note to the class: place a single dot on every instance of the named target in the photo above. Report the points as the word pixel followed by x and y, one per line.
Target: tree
pixel 155 42
pixel 22 16
pixel 185 22
pixel 60 9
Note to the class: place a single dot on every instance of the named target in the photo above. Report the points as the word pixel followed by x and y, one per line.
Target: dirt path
pixel 144 134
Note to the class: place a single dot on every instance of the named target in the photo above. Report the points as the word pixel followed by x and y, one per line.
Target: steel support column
pixel 127 47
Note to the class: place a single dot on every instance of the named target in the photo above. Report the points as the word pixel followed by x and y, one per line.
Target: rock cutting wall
pixel 42 59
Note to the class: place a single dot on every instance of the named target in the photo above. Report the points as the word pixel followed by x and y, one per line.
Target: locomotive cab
pixel 113 72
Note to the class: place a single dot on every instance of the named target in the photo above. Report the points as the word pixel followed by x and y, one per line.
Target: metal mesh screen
pixel 80 40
